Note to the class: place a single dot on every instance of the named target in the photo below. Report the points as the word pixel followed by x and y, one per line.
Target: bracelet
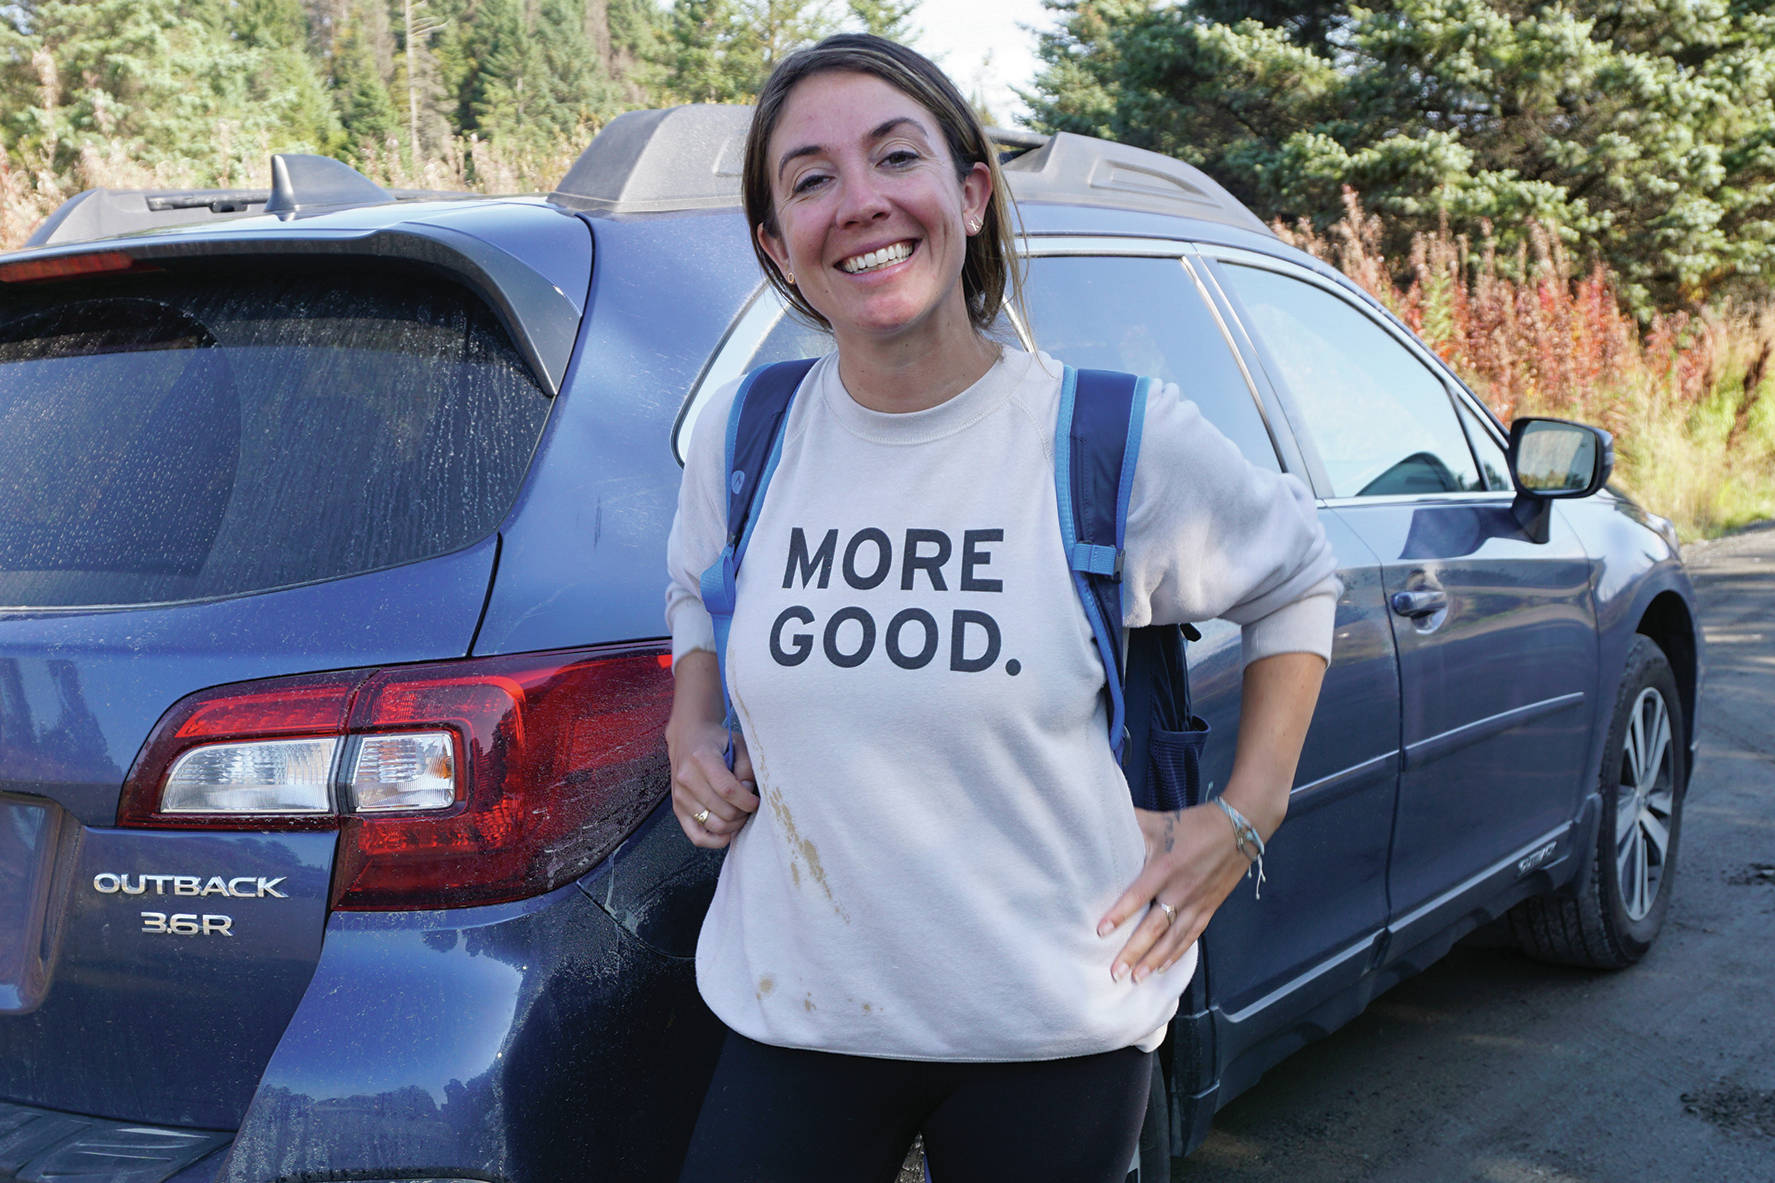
pixel 1246 837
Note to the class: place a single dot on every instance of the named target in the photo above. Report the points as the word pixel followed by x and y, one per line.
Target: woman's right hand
pixel 710 801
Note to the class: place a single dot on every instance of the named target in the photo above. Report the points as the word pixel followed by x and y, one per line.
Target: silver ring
pixel 1169 910
pixel 701 818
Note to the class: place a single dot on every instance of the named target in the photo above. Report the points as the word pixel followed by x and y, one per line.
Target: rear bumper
pixel 554 1038
pixel 40 1145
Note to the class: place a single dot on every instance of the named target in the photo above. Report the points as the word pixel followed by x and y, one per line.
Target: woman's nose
pixel 862 200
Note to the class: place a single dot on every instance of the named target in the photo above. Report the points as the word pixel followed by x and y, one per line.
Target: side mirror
pixel 1551 459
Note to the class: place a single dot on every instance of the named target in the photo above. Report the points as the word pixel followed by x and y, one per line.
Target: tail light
pixel 450 784
pixel 69 266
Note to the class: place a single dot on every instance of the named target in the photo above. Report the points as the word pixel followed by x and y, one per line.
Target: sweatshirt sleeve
pixel 698 528
pixel 1212 535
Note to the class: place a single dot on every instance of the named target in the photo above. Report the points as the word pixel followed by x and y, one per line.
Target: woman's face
pixel 872 218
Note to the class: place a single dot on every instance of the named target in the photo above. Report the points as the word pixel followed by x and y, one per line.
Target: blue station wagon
pixel 333 835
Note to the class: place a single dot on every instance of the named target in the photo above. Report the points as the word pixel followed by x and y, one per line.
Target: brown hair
pixel 990 264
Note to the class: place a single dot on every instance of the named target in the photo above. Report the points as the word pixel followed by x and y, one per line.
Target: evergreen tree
pixel 885 18
pixel 361 93
pixel 1644 131
pixel 176 86
pixel 537 84
pixel 721 51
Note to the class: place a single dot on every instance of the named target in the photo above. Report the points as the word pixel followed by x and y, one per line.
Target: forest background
pixel 1573 202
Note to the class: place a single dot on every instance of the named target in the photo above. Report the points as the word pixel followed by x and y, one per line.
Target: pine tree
pixel 885 18
pixel 189 89
pixel 361 61
pixel 721 51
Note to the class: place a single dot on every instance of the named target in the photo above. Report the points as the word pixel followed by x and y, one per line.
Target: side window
pixel 1492 460
pixel 1146 316
pixel 1382 422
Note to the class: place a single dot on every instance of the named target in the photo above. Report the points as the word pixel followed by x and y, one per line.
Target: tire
pixel 1615 909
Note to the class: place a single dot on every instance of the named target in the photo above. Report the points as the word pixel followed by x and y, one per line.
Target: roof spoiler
pixel 691 157
pixel 300 183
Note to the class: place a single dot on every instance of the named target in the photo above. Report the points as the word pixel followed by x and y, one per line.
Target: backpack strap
pixel 754 445
pixel 1152 731
pixel 1096 443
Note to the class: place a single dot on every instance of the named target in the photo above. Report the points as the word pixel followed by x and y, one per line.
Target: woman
pixel 947 916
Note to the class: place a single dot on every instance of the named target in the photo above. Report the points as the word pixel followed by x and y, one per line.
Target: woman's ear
pixel 976 194
pixel 777 250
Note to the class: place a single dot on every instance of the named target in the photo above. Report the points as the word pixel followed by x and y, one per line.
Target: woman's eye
pixel 809 181
pixel 900 156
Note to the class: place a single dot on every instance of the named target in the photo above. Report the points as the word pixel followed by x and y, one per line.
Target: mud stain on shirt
pixel 766 985
pixel 800 847
pixel 807 1003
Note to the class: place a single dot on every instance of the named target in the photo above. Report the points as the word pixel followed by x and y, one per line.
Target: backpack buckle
pixel 1090 559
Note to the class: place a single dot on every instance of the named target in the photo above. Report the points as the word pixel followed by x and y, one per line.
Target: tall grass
pixel 1686 396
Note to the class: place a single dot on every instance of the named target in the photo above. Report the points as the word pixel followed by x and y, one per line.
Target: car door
pixel 1495 632
pixel 1138 305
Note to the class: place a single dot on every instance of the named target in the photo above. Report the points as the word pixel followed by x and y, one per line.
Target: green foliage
pixel 175 85
pixel 1642 130
pixel 361 92
pixel 721 51
pixel 537 82
pixel 885 18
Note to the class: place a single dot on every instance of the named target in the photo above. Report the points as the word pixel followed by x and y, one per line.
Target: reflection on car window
pixel 1381 420
pixel 248 430
pixel 1492 461
pixel 790 338
pixel 1144 316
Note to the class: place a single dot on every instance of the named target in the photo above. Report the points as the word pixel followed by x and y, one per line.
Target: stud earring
pixel 789 277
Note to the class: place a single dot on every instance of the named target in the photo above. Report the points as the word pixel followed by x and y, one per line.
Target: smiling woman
pixel 950 919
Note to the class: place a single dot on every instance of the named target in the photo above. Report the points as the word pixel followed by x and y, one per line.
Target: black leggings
pixel 779 1115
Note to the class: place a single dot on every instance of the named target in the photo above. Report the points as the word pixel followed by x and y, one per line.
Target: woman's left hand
pixel 1192 863
pixel 1193 860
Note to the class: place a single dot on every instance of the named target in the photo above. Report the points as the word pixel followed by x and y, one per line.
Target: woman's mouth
pixel 874 260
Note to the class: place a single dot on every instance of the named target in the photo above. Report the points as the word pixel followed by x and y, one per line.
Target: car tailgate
pixel 146 974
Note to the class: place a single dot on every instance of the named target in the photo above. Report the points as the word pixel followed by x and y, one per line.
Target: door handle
pixel 1421 603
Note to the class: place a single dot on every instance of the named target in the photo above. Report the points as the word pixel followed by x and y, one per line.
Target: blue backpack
pixel 1096 443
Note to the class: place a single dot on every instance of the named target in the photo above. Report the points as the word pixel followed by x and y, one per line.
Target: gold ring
pixel 1169 910
pixel 701 818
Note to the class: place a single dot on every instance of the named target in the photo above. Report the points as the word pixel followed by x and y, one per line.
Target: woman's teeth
pixel 874 259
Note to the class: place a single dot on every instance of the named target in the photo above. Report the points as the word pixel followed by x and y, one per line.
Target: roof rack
pixel 677 158
pixel 1084 170
pixel 300 183
pixel 690 157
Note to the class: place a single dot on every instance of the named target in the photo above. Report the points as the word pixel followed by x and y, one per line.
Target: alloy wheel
pixel 1643 804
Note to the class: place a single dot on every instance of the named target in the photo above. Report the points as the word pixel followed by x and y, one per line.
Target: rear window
pixel 179 438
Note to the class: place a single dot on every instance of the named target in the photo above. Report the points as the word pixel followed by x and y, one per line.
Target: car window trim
pixel 762 310
pixel 1365 305
pixel 1112 246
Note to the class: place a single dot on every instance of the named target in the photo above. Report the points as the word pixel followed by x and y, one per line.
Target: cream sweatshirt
pixel 943 822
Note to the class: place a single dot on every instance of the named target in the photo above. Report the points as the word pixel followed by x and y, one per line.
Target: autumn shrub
pixel 1685 395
